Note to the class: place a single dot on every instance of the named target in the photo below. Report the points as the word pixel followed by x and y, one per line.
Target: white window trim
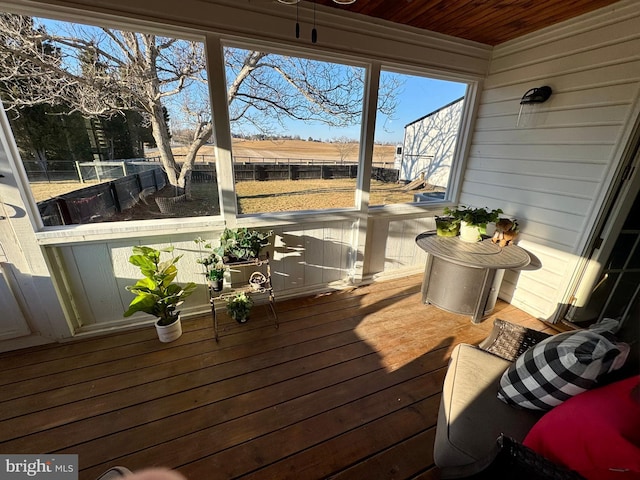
pixel 213 43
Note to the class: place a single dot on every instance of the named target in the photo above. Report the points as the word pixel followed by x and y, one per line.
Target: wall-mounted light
pixel 534 96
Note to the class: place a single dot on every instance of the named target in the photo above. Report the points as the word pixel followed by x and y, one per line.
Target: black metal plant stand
pixel 265 289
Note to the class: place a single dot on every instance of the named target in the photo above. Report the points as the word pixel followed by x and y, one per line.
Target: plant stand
pixel 227 293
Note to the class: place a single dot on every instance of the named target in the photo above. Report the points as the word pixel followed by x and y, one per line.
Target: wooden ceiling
pixel 486 21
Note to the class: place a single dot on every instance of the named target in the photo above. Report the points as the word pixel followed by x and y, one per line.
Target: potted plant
pixel 214 266
pixel 215 276
pixel 447 226
pixel 473 221
pixel 241 244
pixel 156 293
pixel 239 306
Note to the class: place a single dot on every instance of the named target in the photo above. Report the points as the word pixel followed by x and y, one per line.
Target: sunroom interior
pixel 347 276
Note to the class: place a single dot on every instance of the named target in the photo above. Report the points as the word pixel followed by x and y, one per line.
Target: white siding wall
pixel 552 172
pixel 391 245
pixel 306 258
pixel 429 145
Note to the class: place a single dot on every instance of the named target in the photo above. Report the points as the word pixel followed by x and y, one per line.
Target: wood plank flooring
pixel 347 387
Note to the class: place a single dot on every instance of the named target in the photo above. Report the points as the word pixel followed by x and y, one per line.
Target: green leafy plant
pixel 156 294
pixel 448 226
pixel 212 262
pixel 239 306
pixel 241 244
pixel 478 217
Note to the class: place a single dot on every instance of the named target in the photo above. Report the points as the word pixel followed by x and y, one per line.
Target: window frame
pixel 213 42
pixel 230 207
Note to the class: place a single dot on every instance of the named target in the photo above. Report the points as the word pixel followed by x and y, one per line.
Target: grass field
pixel 298 149
pixel 274 195
pixel 288 195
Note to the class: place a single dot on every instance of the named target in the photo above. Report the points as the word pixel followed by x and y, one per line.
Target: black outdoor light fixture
pixel 534 96
pixel 314 32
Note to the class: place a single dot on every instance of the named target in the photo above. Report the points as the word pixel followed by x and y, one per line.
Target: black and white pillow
pixel 559 368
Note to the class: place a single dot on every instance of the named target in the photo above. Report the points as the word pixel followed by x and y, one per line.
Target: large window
pixel 115 125
pixel 111 125
pixel 296 126
pixel 422 132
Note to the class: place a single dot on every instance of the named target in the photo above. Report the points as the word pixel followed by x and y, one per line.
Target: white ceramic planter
pixel 469 233
pixel 169 333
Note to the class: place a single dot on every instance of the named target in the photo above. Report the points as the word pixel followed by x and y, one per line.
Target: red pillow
pixel 595 433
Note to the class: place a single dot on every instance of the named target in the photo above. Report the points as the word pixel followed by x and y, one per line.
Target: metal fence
pixel 247 168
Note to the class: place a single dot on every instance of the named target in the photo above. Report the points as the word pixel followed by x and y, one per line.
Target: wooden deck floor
pixel 347 387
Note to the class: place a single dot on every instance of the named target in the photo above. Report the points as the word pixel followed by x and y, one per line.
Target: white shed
pixel 429 144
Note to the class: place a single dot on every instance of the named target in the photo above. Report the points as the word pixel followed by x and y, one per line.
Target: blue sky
pixel 418 97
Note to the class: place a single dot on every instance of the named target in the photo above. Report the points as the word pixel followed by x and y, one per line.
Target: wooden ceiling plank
pixel 486 21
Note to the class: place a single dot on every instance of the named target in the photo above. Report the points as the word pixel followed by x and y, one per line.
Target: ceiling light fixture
pixel 314 31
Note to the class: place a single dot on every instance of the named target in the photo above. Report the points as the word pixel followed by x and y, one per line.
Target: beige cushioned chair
pixel 471 418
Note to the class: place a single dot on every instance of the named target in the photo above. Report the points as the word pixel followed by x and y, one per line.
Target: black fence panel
pixel 204 173
pixel 126 192
pixel 98 202
pixel 244 172
pixel 307 172
pixel 387 175
pixel 161 178
pixel 50 212
pixel 147 179
pixel 339 171
pixel 90 209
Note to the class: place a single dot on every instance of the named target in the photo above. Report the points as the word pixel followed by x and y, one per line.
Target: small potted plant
pixel 239 306
pixel 473 221
pixel 215 276
pixel 156 293
pixel 241 244
pixel 214 266
pixel 447 226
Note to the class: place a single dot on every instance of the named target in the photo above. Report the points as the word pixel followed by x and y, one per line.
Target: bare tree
pixel 102 71
pixel 345 146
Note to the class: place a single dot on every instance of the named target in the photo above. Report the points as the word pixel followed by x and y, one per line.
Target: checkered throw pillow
pixel 558 368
